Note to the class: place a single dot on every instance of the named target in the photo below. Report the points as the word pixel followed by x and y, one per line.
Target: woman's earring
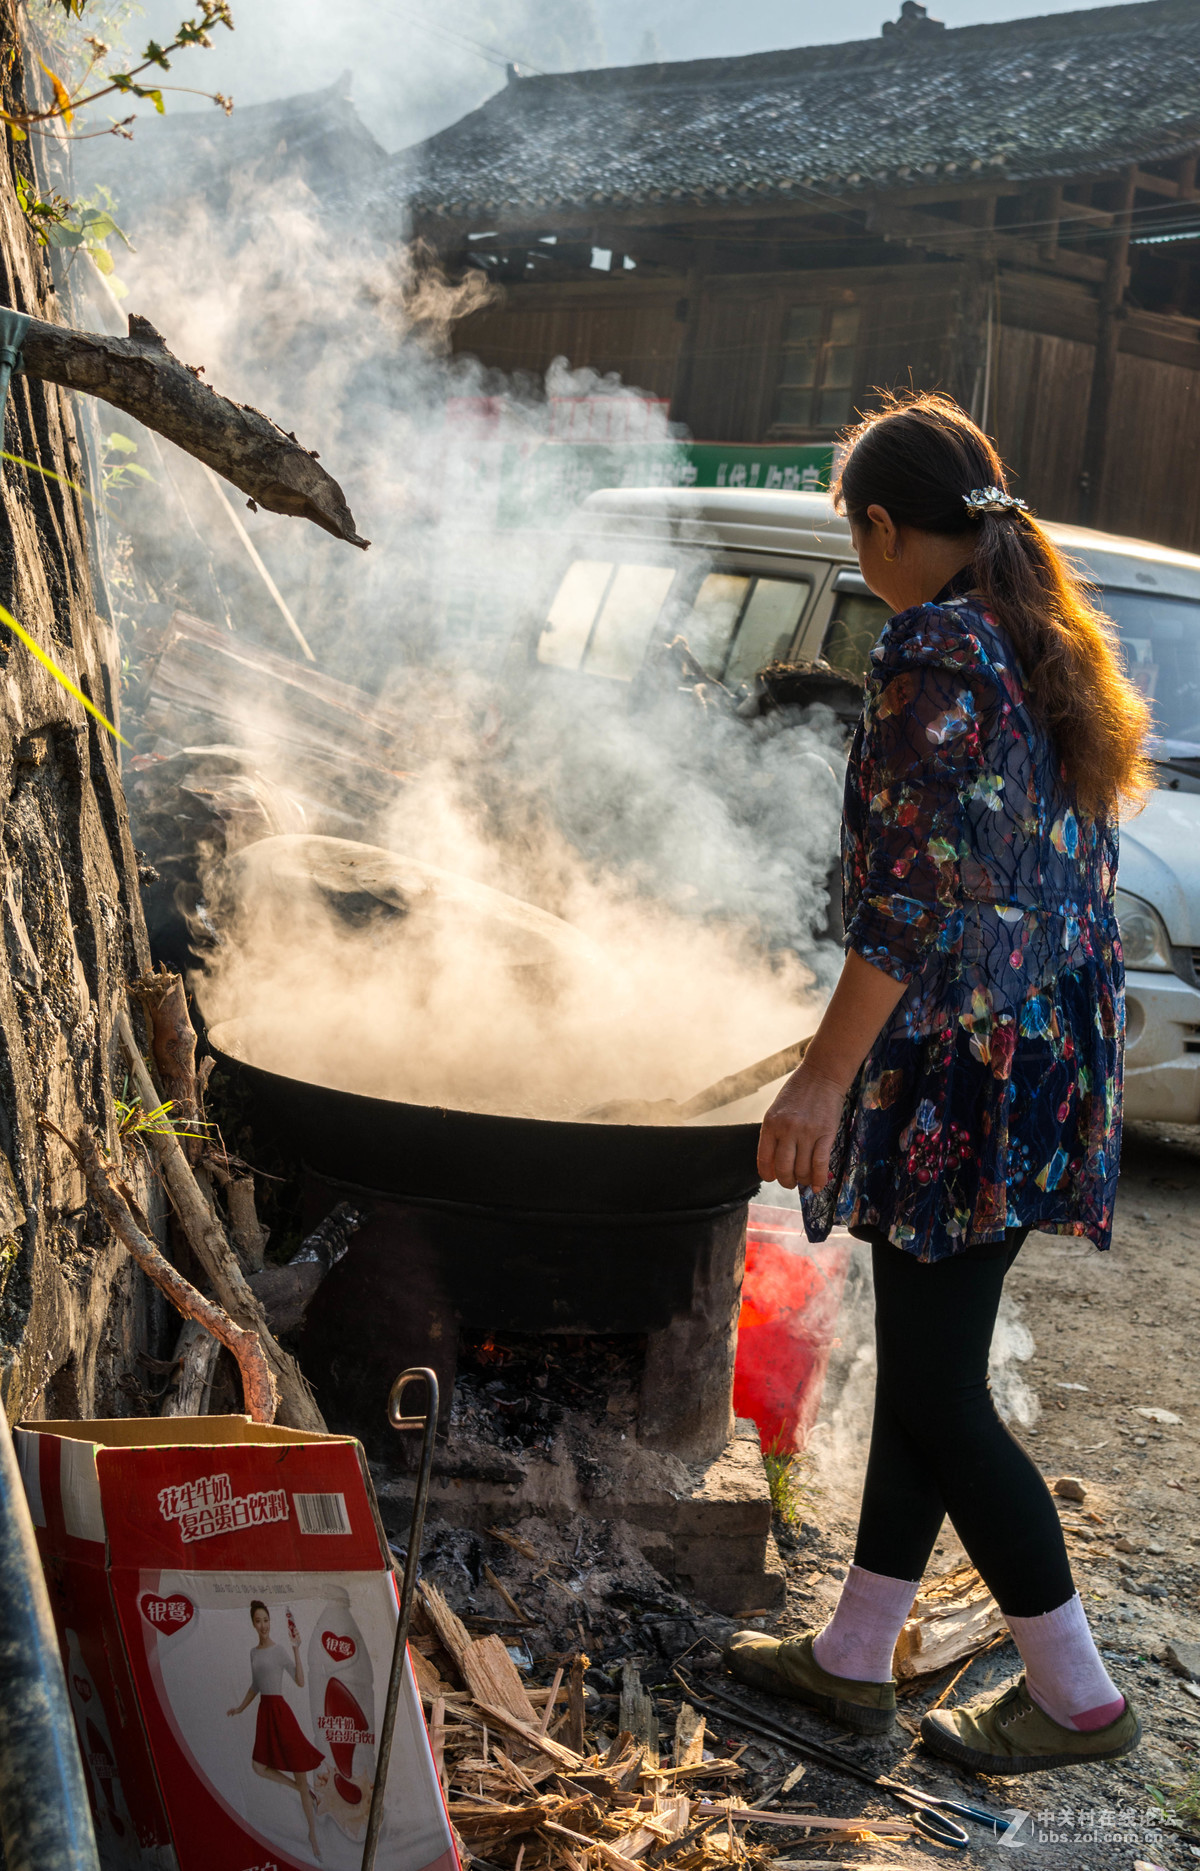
pixel 891 557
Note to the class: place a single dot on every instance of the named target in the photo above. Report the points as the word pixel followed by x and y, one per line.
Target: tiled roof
pixel 1058 95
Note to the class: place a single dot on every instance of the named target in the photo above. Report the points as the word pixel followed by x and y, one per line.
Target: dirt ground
pixel 1112 1334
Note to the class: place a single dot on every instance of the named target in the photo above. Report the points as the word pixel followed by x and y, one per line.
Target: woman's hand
pixel 798 1132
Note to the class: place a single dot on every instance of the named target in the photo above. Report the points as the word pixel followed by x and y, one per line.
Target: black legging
pixel 938 1446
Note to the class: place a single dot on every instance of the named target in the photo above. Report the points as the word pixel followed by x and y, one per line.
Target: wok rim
pixel 398 1105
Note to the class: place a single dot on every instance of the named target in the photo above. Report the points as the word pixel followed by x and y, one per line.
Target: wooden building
pixel 1009 212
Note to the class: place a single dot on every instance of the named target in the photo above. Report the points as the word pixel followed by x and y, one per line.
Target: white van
pixel 752 577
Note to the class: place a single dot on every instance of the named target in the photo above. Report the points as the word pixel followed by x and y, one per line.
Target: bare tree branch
pixel 207 1240
pixel 258 1385
pixel 141 376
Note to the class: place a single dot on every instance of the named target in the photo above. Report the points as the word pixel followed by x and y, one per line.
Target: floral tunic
pixel 992 1097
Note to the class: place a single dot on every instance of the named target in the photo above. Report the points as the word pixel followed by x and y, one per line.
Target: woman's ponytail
pixel 919 459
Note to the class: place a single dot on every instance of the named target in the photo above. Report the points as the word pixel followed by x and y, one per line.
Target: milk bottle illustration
pixel 341 1687
pixel 95 1741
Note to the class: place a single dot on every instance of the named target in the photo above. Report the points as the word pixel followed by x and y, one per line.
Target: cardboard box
pixel 227 1608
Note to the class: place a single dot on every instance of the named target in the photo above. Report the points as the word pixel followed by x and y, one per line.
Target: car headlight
pixel 1143 938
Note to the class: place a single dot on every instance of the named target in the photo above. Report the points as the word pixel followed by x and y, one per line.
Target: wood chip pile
pixel 529 1786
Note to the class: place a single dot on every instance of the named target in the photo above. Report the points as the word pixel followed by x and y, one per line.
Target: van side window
pixel 601 616
pixel 854 631
pixel 622 631
pixel 738 623
pixel 572 613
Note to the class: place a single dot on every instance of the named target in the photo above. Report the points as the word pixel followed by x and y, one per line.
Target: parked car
pixel 755 578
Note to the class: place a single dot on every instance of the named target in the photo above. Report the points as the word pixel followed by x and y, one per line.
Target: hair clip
pixel 992 500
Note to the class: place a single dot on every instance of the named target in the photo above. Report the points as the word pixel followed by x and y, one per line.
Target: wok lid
pixel 536 1165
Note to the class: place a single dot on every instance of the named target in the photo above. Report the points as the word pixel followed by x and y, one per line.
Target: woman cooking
pixel 964 1086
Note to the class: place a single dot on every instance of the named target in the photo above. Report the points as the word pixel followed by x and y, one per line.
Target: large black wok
pixel 535 1165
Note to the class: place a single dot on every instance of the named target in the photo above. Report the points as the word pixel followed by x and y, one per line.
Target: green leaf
pixel 135 467
pixel 122 443
pixel 103 260
pixel 60 675
pixel 62 234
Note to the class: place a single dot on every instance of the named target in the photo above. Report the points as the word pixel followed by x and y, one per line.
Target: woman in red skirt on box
pixel 282 1751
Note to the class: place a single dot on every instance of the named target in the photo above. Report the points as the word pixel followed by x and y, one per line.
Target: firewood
pixel 506 1596
pixel 491 1676
pixel 449 1629
pixel 196 1353
pixel 139 375
pixel 429 1682
pixel 576 1736
pixel 173 1044
pixel 249 1236
pixel 258 1384
pixel 437 1739
pixel 637 1711
pixel 614 1859
pixel 551 1697
pixel 206 1238
pixel 504 1718
pixel 689 1736
pixel 954 1617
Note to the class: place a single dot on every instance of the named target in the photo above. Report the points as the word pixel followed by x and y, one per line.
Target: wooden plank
pixel 637 1712
pixel 491 1676
pixel 1147 184
pixel 1040 390
pixel 1153 462
pixel 689 1736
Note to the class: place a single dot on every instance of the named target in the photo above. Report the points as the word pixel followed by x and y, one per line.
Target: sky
pixel 416 67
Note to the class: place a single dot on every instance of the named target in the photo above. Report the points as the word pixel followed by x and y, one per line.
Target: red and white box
pixel 227 1609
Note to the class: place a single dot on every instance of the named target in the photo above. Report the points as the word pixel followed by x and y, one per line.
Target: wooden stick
pixel 437 1739
pixel 139 375
pixel 576 1735
pixel 206 1237
pixel 712 1098
pixel 258 1385
pixel 548 1711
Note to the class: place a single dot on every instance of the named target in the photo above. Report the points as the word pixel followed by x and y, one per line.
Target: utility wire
pixel 492 54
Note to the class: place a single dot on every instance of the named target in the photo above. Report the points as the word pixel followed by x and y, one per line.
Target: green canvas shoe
pixel 1005 1732
pixel 789 1668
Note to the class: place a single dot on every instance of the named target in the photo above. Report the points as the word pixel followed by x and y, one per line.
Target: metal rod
pixel 45 1818
pixel 252 553
pixel 427 1423
pixel 775 1729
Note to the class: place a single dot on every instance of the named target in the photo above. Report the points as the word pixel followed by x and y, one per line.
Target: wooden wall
pixel 717 355
pixel 1038 416
pixel 1152 479
pixel 609 326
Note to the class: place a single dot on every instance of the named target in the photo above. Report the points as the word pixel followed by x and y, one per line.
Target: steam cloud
pixel 690 848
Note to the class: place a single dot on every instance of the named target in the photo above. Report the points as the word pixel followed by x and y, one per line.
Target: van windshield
pixel 1161 639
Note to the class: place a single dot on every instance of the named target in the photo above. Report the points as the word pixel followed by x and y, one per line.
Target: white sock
pixel 1063 1670
pixel 860 1637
